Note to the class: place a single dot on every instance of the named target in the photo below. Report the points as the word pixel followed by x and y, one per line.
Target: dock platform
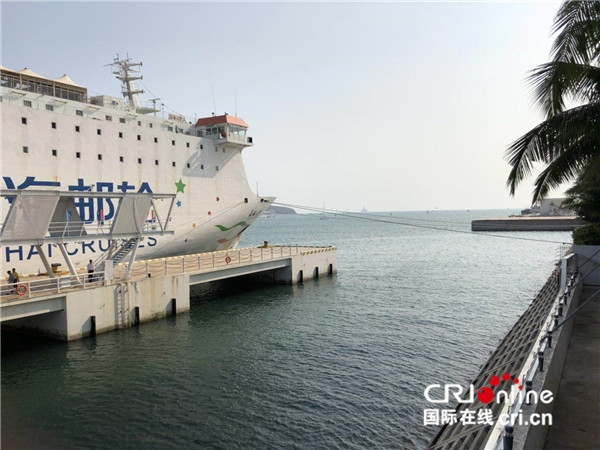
pixel 76 306
pixel 533 223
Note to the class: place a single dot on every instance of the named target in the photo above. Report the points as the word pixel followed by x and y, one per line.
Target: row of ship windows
pixel 121 158
pixel 99 133
pixel 79 112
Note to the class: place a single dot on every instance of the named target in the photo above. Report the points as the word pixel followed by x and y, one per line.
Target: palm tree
pixel 568 141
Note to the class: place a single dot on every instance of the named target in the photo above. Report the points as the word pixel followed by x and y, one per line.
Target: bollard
pixel 541 360
pixel 508 437
pixel 565 299
pixel 549 339
pixel 560 311
pixel 555 321
pixel 528 388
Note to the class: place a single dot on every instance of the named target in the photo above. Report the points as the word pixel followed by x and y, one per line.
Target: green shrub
pixel 587 235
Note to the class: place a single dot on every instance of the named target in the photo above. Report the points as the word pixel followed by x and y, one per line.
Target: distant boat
pixel 364 209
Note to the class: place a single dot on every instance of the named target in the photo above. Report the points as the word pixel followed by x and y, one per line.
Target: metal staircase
pixel 117 252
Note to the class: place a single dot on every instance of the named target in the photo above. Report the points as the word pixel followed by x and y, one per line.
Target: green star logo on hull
pixel 180 185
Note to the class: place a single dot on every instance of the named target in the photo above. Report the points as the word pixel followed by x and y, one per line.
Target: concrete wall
pixel 588 256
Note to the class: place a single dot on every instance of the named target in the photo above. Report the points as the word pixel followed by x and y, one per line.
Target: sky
pixel 392 106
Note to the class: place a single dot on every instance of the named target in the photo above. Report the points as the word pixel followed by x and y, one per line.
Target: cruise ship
pixel 57 137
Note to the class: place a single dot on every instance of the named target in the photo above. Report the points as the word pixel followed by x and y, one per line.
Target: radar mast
pixel 126 71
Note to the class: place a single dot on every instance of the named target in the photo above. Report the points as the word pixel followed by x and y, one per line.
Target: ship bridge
pixel 225 129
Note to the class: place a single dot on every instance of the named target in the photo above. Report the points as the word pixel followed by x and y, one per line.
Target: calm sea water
pixel 339 362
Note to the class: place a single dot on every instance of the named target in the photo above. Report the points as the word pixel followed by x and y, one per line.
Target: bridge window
pixel 150 125
pixel 27 103
pixel 50 107
pixel 25 149
pixel 121 159
pixel 108 118
pixel 121 134
pixel 139 160
pixel 156 162
pixel 54 125
pixel 139 137
pixel 121 120
pixel 187 144
pixel 54 152
pixel 99 131
pixel 99 157
pixel 24 120
pixel 78 155
pixel 79 112
pixel 173 163
pixel 172 142
pixel 156 140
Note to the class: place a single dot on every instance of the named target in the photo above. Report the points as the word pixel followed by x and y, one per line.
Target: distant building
pixel 549 207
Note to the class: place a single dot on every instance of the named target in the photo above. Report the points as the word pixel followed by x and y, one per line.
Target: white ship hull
pixel 79 146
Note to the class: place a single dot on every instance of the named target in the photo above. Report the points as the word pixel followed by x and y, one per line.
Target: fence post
pixel 165 266
pixel 261 253
pixel 198 262
pixel 146 270
pixel 239 256
pixel 183 264
pixel 57 285
pixel 29 289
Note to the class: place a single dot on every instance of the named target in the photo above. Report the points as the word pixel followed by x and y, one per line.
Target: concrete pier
pixel 73 307
pixel 533 223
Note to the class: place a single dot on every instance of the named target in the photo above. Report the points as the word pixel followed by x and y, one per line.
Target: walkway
pixel 576 415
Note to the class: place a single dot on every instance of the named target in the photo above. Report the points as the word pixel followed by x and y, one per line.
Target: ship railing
pixel 73 228
pixel 47 286
pixel 206 261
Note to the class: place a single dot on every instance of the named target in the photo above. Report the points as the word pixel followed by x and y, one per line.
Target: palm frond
pixel 550 139
pixel 557 81
pixel 566 167
pixel 578 26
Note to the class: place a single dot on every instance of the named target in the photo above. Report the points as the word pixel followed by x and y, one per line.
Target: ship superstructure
pixel 55 136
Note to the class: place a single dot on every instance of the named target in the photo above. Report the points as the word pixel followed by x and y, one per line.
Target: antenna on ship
pixel 212 89
pixel 154 100
pixel 125 71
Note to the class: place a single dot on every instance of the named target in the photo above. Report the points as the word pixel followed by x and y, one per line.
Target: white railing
pixel 502 438
pixel 47 286
pixel 80 228
pixel 206 261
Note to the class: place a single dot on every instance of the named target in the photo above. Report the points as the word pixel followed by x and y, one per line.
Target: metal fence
pixel 46 286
